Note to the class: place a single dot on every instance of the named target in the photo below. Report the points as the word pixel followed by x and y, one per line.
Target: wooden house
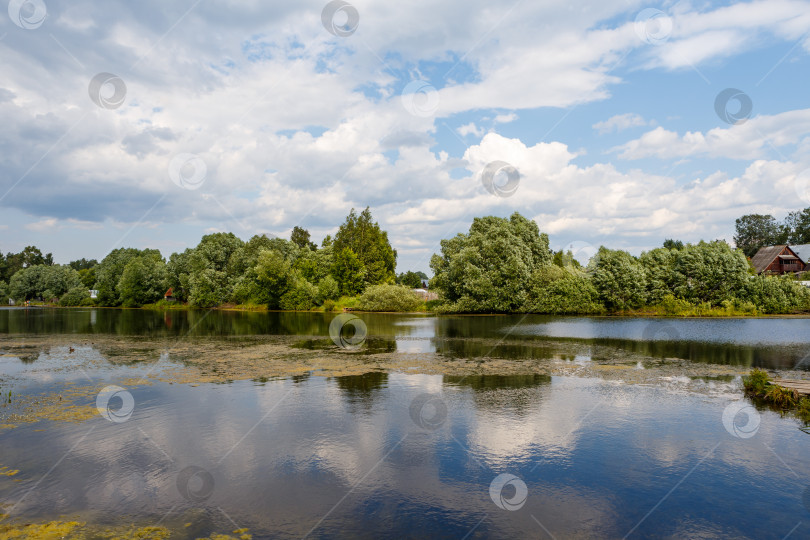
pixel 803 252
pixel 777 260
pixel 169 296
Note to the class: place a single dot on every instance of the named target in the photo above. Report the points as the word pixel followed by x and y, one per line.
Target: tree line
pixel 291 274
pixel 501 265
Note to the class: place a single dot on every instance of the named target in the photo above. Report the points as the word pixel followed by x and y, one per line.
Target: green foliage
pixel 274 278
pixel 411 279
pixel 756 383
pixel 619 278
pixel 143 281
pixel 756 230
pixel 389 298
pixel 782 397
pixel 28 257
pixel 775 294
pixel 365 238
pixel 83 264
pixel 798 225
pixel 328 290
pixel 489 269
pixel 300 297
pixel 349 272
pixel 658 266
pixel 561 291
pixel 110 270
pixel 300 237
pixel 88 277
pixel 4 296
pixel 673 244
pixel 208 288
pixel 43 281
pixel 709 272
pixel 77 296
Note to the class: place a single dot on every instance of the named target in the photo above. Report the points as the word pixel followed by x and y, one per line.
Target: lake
pixel 199 422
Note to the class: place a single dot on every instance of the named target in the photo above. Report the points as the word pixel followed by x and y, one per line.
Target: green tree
pixel 83 264
pixel 88 277
pixel 144 281
pixel 798 225
pixel 349 272
pixel 388 297
pixel 110 270
pixel 411 279
pixel 300 297
pixel 43 281
pixel 619 279
pixel 274 277
pixel 300 237
pixel 328 289
pixel 557 290
pixel 658 265
pixel 364 237
pixel 77 296
pixel 214 266
pixel 754 231
pixel 489 268
pixel 709 272
pixel 673 244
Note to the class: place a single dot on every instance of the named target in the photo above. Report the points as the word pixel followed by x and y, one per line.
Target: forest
pixel 501 265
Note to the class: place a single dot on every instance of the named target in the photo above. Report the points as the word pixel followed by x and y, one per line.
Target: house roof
pixel 803 251
pixel 170 292
pixel 765 257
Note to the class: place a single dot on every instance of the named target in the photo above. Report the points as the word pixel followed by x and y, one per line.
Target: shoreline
pixel 639 314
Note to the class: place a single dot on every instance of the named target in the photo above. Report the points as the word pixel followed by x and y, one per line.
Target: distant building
pixel 426 295
pixel 169 296
pixel 93 293
pixel 803 252
pixel 777 260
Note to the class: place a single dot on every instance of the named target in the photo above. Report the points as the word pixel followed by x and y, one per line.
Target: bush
pixel 756 382
pixel 75 297
pixel 560 291
pixel 301 297
pixel 389 298
pixel 327 290
pixel 329 305
pixel 784 398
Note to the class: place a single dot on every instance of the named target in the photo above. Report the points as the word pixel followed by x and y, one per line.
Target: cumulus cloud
pixel 750 140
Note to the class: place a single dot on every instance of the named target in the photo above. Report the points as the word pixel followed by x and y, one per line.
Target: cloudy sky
pixel 149 124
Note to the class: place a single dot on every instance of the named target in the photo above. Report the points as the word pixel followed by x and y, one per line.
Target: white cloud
pixel 753 139
pixel 619 122
pixel 470 129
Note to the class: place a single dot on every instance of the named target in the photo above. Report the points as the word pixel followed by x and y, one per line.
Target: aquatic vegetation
pixel 56 530
pixel 756 383
pixel 781 397
pixel 5 471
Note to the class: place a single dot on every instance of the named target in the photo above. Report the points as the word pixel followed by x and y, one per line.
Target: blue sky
pixel 253 118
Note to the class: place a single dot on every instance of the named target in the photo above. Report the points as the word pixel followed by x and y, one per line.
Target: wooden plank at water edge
pixel 801 386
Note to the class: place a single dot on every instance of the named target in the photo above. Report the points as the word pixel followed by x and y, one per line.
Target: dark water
pixel 416 456
pixel 770 342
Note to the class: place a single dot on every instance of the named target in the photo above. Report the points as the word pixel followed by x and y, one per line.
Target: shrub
pixel 329 305
pixel 327 290
pixel 756 382
pixel 783 398
pixel 389 298
pixel 301 297
pixel 75 297
pixel 557 290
